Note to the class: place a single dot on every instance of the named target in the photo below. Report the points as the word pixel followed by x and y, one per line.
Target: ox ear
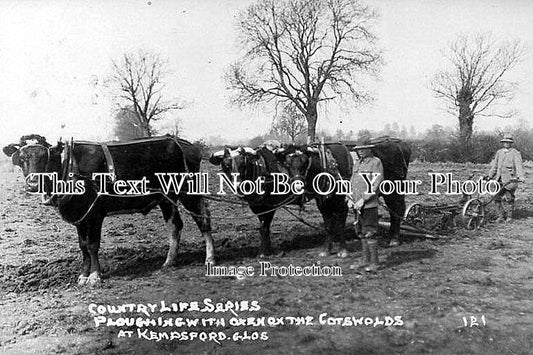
pixel 58 148
pixel 10 149
pixel 15 158
pixel 313 150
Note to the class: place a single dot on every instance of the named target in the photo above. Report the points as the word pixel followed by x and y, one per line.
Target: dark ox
pixel 394 154
pixel 130 161
pixel 250 164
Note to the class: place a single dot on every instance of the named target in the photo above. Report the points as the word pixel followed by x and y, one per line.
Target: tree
pixel 172 125
pixel 257 141
pixel 139 79
pixel 474 84
pixel 127 126
pixel 304 52
pixel 363 134
pixel 412 132
pixel 290 122
pixel 339 135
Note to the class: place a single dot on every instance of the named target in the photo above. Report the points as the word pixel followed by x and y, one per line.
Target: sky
pixel 55 63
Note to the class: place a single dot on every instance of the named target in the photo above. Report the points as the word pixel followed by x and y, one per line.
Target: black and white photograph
pixel 266 177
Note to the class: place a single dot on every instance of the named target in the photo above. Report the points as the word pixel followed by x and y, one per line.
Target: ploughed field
pixel 421 301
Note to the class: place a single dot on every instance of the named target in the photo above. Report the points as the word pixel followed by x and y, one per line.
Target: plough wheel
pixel 415 215
pixel 474 213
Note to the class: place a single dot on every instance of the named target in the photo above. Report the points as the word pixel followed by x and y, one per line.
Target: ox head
pixel 237 160
pixel 297 160
pixel 305 162
pixel 34 157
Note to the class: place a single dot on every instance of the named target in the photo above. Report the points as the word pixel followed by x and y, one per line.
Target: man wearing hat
pixel 365 204
pixel 507 169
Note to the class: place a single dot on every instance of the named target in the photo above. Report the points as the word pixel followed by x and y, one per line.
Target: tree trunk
pixel 465 130
pixel 466 122
pixel 146 126
pixel 148 130
pixel 312 117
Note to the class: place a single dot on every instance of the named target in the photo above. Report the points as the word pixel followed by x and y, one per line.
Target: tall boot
pixel 365 256
pixel 374 259
pixel 500 212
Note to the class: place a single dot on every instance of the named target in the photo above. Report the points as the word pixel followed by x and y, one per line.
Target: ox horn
pixel 249 150
pixel 218 154
pixel 234 152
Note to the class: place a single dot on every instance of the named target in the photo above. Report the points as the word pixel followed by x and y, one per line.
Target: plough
pixel 443 216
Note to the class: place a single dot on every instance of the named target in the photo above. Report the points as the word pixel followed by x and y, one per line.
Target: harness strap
pixel 322 155
pixel 109 160
pixel 67 163
pixel 176 140
pixel 309 162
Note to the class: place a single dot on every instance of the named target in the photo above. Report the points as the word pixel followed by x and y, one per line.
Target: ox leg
pixel 338 228
pixel 265 220
pixel 334 212
pixel 93 245
pixel 174 225
pixel 199 209
pixel 86 263
pixel 328 218
pixel 328 243
pixel 339 220
pixel 396 205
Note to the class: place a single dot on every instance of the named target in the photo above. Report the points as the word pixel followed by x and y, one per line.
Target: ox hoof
pixel 373 267
pixel 394 242
pixel 323 254
pixel 82 280
pixel 211 261
pixel 343 253
pixel 168 264
pixel 94 279
pixel 263 254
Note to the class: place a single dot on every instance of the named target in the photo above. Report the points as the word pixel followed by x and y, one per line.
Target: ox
pixel 251 164
pixel 133 160
pixel 394 154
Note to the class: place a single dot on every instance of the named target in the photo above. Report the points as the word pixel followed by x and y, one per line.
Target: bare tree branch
pixel 304 52
pixel 139 79
pixel 474 83
pixel 290 122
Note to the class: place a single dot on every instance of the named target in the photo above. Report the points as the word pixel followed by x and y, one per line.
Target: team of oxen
pixel 77 161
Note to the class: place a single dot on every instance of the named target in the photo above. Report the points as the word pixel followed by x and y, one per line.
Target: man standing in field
pixel 507 169
pixel 367 175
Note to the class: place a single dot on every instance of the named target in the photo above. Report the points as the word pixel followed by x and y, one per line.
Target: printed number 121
pixel 473 322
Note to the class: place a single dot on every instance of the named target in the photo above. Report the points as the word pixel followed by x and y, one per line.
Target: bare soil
pixel 432 284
